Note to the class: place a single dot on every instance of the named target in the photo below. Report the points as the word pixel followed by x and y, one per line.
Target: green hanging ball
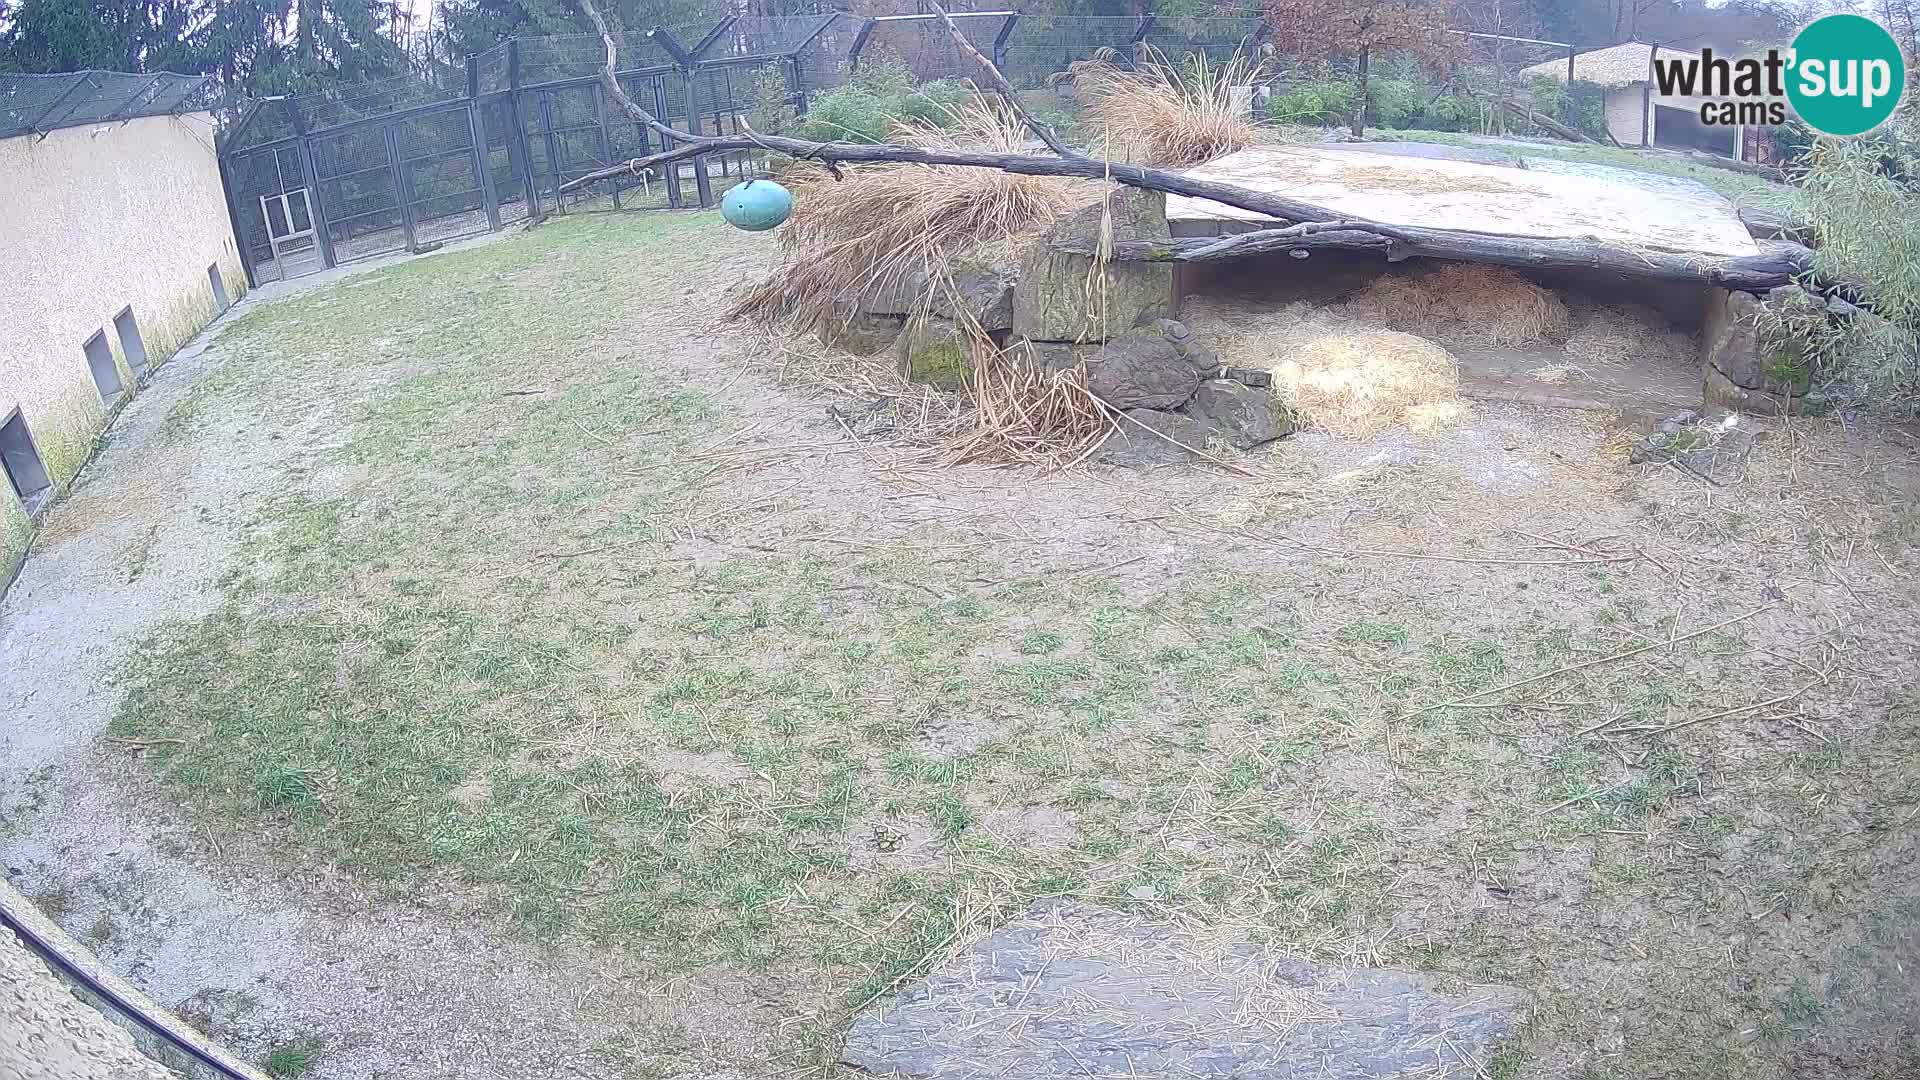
pixel 756 206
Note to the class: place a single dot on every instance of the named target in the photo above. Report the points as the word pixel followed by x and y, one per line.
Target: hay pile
pixel 870 232
pixel 1608 335
pixel 1337 372
pixel 1161 113
pixel 1464 304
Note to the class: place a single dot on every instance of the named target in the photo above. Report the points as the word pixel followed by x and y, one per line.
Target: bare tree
pixel 1363 29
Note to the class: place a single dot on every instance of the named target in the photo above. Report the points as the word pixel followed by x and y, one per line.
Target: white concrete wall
pixel 94 219
pixel 1626 118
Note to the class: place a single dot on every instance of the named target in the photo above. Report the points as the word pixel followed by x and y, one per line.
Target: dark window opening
pixel 220 301
pixel 106 373
pixel 131 345
pixel 22 463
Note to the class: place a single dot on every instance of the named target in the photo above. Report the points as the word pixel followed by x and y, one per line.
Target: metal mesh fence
pixel 357 170
pixel 43 103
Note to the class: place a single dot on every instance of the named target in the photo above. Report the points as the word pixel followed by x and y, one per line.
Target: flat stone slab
pixel 1073 990
pixel 1473 196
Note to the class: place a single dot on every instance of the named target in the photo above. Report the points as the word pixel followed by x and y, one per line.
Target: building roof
pixel 1614 66
pixel 43 103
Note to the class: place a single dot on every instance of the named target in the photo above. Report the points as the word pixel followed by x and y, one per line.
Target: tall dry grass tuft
pixel 868 234
pixel 1163 113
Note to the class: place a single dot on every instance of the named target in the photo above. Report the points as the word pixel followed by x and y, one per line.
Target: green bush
pixel 1550 97
pixel 1858 196
pixel 866 107
pixel 1322 100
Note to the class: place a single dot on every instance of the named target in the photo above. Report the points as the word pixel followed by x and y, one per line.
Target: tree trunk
pixel 1360 108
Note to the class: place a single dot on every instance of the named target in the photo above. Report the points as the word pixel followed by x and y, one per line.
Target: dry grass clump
pixel 1162 113
pixel 1338 373
pixel 1465 304
pixel 871 232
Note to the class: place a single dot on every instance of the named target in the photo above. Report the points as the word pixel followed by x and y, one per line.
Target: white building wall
pixel 92 220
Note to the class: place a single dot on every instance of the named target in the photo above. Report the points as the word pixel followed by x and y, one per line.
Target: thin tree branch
pixel 1000 84
pixel 611 83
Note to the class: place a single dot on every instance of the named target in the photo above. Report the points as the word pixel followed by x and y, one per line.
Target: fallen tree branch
pixel 1778 263
pixel 1548 122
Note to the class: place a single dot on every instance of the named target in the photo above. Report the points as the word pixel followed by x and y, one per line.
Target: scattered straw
pixel 1464 304
pixel 1554 373
pixel 1608 335
pixel 1338 374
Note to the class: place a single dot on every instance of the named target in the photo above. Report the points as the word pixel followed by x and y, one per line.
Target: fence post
pixel 860 42
pixel 1000 41
pixel 401 184
pixel 228 187
pixel 482 157
pixel 553 151
pixel 674 198
pixel 797 85
pixel 606 144
pixel 702 183
pixel 316 206
pixel 517 145
pixel 1140 30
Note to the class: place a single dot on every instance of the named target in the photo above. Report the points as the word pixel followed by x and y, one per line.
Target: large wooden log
pixel 1777 264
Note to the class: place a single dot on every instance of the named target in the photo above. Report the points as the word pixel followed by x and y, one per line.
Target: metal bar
pixel 482 168
pixel 674 197
pixel 660 36
pixel 401 183
pixel 859 43
pixel 137 95
pixel 81 78
pixel 713 35
pixel 316 206
pixel 600 126
pixel 583 80
pixel 517 146
pixel 796 86
pixel 473 77
pixel 828 20
pixel 1568 109
pixel 553 149
pixel 1504 37
pixel 1000 41
pixel 1140 29
pixel 702 183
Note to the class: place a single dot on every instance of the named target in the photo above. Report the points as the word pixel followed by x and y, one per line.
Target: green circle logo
pixel 1846 74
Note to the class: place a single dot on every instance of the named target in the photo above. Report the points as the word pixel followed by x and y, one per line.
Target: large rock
pixel 1059 298
pixel 1242 416
pixel 1051 356
pixel 1154 438
pixel 1073 990
pixel 1141 370
pixel 1739 351
pixel 987 295
pixel 935 351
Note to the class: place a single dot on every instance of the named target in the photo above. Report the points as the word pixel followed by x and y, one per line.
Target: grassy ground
pixel 1744 189
pixel 515 636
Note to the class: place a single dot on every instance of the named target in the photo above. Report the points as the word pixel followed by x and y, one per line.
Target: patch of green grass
pixel 292 1060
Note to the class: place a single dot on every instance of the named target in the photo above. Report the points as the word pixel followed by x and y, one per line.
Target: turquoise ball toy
pixel 756 206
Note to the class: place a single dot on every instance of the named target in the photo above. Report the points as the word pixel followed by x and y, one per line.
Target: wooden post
pixel 1646 99
pixel 1569 110
pixel 674 198
pixel 553 151
pixel 702 183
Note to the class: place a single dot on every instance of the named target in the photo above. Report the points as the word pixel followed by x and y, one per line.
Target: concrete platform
pixel 1468 195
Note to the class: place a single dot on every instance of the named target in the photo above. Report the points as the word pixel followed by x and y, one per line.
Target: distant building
pixel 1637 114
pixel 117 249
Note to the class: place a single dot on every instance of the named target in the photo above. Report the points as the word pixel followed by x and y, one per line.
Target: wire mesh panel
pixel 502 157
pixel 767 35
pixel 1039 46
pixel 42 103
pixel 344 104
pixel 1218 39
pixel 273 212
pixel 822 63
pixel 354 173
pixel 444 195
pixel 923 45
pixel 581 56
